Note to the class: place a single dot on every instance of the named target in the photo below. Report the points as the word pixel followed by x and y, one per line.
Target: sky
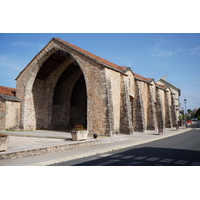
pixel 176 56
pixel 152 55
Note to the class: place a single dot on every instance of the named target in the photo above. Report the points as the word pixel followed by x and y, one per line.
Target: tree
pixel 189 111
pixel 197 113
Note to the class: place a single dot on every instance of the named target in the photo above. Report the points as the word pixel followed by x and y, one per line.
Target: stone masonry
pixel 65 85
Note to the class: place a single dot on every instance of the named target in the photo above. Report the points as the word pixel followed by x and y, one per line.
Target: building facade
pixel 9 109
pixel 65 85
pixel 174 91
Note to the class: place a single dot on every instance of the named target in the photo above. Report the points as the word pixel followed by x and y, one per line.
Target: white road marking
pixel 152 159
pixel 195 164
pixel 108 162
pixel 128 157
pixel 140 158
pixel 181 162
pixel 166 160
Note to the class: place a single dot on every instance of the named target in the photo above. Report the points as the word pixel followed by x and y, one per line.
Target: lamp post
pixel 185 101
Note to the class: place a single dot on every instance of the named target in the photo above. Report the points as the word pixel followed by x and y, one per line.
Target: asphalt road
pixel 179 150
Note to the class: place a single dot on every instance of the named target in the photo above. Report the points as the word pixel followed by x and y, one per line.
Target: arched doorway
pixel 78 103
pixel 59 93
pixel 70 99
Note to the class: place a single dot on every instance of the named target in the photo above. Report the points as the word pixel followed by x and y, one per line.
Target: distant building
pixel 176 92
pixel 9 108
pixel 65 85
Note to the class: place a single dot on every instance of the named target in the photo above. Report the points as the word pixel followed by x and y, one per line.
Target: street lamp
pixel 185 101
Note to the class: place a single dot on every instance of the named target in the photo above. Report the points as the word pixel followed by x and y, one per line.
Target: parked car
pixel 194 119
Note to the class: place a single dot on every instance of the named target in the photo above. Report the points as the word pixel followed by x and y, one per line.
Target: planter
pixel 4 143
pixel 79 135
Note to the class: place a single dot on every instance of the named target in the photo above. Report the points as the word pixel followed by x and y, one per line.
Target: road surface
pixel 179 150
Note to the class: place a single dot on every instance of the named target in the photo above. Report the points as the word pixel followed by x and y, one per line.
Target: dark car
pixel 194 119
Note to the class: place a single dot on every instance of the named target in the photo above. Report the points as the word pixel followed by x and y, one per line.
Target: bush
pixel 198 117
pixel 188 118
pixel 79 127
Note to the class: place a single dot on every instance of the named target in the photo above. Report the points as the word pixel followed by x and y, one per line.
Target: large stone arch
pixel 38 87
pixel 25 83
pixel 53 89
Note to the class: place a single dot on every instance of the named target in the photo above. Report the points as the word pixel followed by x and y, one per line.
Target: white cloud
pixel 11 62
pixel 163 53
pixel 159 51
pixel 160 42
pixel 197 48
pixel 27 44
pixel 24 44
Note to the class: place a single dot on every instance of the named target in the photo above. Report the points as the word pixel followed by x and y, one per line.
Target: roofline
pixel 74 48
pixel 8 87
pixel 85 54
pixel 11 98
pixel 179 91
pixel 140 79
pixel 162 88
pixel 34 58
pixel 150 79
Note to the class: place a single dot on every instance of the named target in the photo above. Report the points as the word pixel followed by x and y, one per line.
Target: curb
pixel 49 149
pixel 80 144
pixel 104 151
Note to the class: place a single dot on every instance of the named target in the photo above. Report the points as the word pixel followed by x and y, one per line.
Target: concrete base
pixel 4 144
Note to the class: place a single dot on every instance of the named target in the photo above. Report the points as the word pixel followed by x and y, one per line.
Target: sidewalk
pixel 24 144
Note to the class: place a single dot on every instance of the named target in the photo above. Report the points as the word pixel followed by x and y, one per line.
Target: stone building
pixel 175 92
pixel 9 108
pixel 65 85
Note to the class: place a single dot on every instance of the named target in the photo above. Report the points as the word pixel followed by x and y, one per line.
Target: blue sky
pixel 176 56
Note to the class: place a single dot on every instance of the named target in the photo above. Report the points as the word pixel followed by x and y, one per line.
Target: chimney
pixel 164 78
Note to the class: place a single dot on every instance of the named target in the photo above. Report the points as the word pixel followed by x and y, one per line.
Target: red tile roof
pixel 7 91
pixel 97 58
pixel 161 86
pixel 142 78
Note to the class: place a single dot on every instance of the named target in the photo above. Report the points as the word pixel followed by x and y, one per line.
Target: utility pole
pixel 185 101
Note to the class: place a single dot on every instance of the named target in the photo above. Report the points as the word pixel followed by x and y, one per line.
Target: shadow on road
pixel 148 156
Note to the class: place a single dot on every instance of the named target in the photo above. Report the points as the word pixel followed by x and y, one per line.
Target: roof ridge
pixel 142 77
pixel 168 83
pixel 99 59
pixel 162 86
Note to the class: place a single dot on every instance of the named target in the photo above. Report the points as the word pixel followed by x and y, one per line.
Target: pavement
pixel 40 148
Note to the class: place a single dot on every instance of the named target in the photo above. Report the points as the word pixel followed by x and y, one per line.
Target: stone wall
pixel 114 87
pixel 81 90
pixel 159 109
pixel 162 104
pixel 2 113
pixel 168 118
pixel 176 93
pixel 138 109
pixel 37 95
pixel 9 114
pixel 12 119
pixel 151 109
pixel 126 112
pixel 144 98
pixel 173 111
